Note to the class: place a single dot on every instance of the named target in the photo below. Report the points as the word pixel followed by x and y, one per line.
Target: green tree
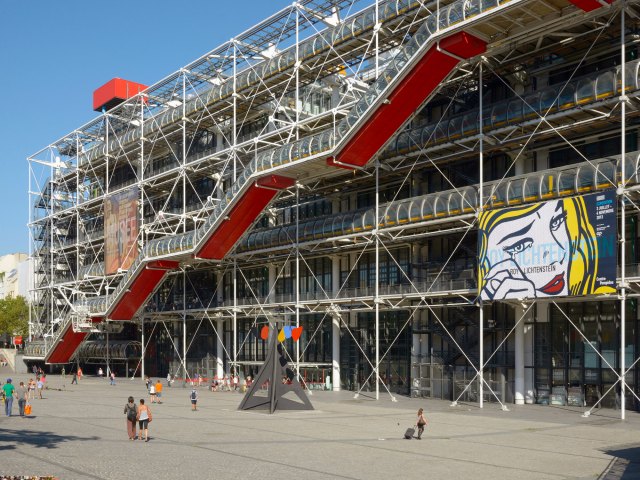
pixel 14 316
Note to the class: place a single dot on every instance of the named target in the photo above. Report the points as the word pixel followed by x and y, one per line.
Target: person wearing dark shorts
pixel 144 417
pixel 194 399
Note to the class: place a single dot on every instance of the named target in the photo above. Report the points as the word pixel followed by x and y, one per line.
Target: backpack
pixel 193 395
pixel 131 413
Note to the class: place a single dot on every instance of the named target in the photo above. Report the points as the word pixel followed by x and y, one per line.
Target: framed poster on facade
pixel 121 230
pixel 564 247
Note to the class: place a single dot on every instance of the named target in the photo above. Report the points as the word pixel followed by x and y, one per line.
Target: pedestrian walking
pixel 152 392
pixel 32 388
pixel 131 411
pixel 421 422
pixel 23 397
pixel 169 379
pixel 100 372
pixel 74 379
pixel 144 417
pixel 159 391
pixel 63 373
pixel 194 399
pixel 147 381
pixel 79 373
pixel 8 392
pixel 40 386
pixel 113 378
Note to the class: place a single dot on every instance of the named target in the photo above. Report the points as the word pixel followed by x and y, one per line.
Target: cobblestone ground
pixel 78 431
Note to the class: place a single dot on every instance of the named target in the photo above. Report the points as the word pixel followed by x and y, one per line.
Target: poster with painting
pixel 564 247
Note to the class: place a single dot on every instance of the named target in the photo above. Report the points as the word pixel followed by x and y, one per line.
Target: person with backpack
pixel 194 399
pixel 131 411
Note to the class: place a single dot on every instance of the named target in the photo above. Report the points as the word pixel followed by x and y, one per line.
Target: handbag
pixel 27 409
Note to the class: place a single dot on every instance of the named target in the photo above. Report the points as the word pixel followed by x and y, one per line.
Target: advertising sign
pixel 121 230
pixel 563 247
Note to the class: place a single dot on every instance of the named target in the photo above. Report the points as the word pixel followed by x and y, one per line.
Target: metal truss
pixel 185 140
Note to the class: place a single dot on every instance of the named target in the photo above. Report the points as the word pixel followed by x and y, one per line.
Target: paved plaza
pixel 79 431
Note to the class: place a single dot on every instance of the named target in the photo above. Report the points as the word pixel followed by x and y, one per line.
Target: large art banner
pixel 550 249
pixel 121 230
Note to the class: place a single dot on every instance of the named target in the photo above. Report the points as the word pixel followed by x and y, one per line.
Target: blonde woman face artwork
pixel 543 250
pixel 539 238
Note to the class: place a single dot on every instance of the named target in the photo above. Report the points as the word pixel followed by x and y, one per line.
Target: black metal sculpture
pixel 272 373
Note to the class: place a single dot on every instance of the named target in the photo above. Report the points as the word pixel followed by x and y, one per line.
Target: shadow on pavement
pixel 14 438
pixel 625 465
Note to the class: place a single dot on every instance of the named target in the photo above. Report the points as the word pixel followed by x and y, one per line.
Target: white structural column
pixel 623 230
pixel 481 204
pixel 220 348
pixel 519 387
pixel 335 326
pixel 220 327
pixel 143 347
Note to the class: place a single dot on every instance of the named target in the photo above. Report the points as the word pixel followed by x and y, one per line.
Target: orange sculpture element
pixel 264 333
pixel 295 333
pixel 281 336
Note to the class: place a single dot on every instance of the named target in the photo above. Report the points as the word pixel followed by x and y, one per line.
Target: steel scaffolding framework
pixel 280 109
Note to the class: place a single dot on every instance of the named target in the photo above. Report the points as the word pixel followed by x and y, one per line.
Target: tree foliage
pixel 14 316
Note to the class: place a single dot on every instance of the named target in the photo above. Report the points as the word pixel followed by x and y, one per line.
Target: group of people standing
pixel 9 392
pixel 137 413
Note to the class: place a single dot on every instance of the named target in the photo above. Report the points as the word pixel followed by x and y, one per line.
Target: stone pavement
pixel 79 432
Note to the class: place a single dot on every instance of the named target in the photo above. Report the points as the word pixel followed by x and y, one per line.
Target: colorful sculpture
pixel 271 374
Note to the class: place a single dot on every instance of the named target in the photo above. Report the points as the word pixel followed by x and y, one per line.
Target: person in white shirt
pixel 152 392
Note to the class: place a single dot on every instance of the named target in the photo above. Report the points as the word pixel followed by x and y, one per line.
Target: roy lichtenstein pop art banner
pixel 550 249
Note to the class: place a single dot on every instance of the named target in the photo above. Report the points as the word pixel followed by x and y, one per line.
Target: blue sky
pixel 53 55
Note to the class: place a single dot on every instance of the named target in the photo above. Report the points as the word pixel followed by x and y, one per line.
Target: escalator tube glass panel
pixel 469 200
pixel 585 91
pixel 567 97
pixel 531 190
pixel 548 103
pixel 567 182
pixel 426 209
pixel 455 128
pixel 402 143
pixel 470 124
pixel 585 179
pixel 403 213
pixel 514 111
pixel 605 85
pixel 348 225
pixel 548 182
pixel 327 227
pixel 415 215
pixel 606 175
pixel 453 204
pixel 499 195
pixel 427 135
pixel 440 133
pixel 307 233
pixel 499 115
pixel 368 220
pixel 440 206
pixel 515 191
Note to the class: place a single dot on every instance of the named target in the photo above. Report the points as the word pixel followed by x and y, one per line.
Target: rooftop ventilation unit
pixel 114 92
